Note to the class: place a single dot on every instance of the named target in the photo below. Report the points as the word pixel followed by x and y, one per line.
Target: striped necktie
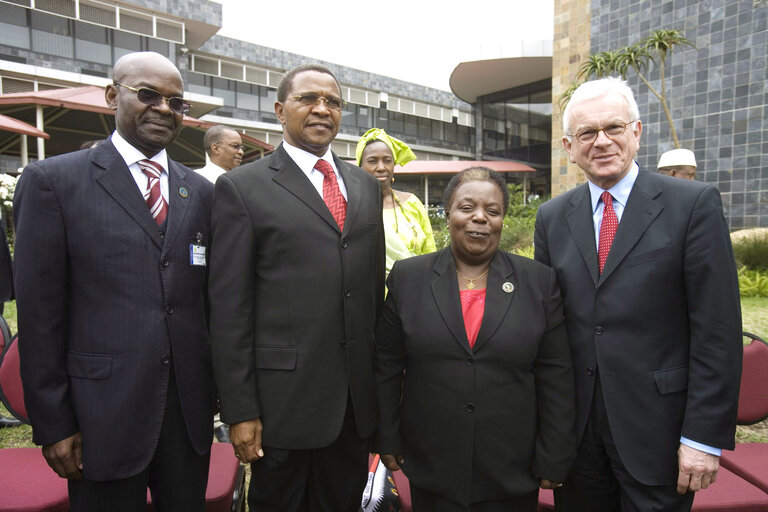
pixel 332 193
pixel 152 195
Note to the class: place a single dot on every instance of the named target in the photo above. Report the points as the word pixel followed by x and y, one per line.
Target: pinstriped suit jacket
pixel 107 303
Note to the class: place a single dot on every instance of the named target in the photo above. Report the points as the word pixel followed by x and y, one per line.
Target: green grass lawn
pixel 754 318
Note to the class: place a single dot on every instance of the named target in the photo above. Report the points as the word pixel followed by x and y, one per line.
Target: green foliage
pixel 752 251
pixel 518 224
pixel 14 437
pixel 753 283
pixel 754 315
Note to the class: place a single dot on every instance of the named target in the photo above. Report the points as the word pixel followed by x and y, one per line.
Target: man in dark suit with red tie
pixel 110 281
pixel 297 267
pixel 651 296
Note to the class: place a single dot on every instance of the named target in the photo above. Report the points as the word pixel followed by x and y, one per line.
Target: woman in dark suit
pixel 474 372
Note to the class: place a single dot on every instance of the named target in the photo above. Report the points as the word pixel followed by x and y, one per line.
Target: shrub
pixel 753 283
pixel 752 251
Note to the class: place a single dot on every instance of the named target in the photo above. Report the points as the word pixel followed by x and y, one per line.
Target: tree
pixel 656 47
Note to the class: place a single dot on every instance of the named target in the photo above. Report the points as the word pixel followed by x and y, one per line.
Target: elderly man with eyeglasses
pixel 224 148
pixel 297 268
pixel 110 279
pixel 652 309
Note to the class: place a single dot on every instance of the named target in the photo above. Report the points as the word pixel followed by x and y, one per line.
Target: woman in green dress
pixel 407 228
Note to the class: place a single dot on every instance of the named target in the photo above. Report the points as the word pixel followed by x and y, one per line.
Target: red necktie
pixel 152 195
pixel 332 194
pixel 607 229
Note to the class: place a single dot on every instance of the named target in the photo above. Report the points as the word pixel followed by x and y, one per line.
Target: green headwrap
pixel 401 153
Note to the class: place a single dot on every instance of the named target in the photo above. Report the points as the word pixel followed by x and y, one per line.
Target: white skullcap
pixel 677 157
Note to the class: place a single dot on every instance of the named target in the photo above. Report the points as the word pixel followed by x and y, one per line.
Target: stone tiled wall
pixel 200 10
pixel 572 43
pixel 718 93
pixel 283 61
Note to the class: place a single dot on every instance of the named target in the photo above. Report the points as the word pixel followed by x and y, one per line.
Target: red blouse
pixel 472 308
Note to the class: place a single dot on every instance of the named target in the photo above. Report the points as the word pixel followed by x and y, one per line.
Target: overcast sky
pixel 418 41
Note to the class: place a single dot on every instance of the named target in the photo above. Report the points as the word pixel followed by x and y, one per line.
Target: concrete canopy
pixel 470 80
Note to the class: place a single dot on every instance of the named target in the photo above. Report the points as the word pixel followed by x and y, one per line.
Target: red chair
pixel 750 460
pixel 226 479
pixel 5 336
pixel 28 484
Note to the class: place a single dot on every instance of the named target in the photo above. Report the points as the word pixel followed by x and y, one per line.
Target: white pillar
pixel 24 151
pixel 41 127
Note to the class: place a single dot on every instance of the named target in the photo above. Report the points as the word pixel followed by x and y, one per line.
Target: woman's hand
pixel 392 462
pixel 549 484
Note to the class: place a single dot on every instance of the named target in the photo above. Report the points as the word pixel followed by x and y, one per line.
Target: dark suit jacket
pixel 294 301
pixel 662 323
pixel 475 424
pixel 104 302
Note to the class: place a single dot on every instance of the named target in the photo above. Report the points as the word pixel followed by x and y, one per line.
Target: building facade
pixel 717 92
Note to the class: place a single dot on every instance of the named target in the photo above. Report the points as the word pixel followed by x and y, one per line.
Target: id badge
pixel 197 251
pixel 197 255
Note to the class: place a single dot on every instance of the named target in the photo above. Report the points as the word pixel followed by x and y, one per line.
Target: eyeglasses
pixel 236 147
pixel 153 98
pixel 310 99
pixel 611 131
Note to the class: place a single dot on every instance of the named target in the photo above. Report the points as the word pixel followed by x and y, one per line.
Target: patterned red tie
pixel 152 195
pixel 607 229
pixel 332 194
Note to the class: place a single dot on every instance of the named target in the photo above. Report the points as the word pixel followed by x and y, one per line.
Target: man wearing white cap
pixel 680 163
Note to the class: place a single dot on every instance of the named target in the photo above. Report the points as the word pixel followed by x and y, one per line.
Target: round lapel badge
pixel 183 192
pixel 508 287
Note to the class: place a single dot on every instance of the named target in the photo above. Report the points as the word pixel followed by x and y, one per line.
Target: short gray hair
pixel 600 87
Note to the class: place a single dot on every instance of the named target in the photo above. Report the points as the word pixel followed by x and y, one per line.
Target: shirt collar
pixel 306 160
pixel 619 191
pixel 131 155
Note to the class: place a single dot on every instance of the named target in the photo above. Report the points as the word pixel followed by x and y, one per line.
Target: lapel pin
pixel 183 192
pixel 508 287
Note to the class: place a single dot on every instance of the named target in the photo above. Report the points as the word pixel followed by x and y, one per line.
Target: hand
pixel 246 440
pixel 697 469
pixel 392 462
pixel 66 457
pixel 549 484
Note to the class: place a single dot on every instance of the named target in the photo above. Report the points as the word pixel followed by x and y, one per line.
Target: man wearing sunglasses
pixel 111 275
pixel 224 148
pixel 652 308
pixel 297 267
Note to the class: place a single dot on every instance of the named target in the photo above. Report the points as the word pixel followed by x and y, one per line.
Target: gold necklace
pixel 471 282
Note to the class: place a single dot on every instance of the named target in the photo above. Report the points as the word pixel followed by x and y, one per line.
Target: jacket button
pixel 470 407
pixel 470 361
pixel 162 235
pixel 347 293
pixel 590 372
pixel 599 330
pixel 164 263
pixel 165 359
pixel 169 309
pixel 343 343
pixel 344 244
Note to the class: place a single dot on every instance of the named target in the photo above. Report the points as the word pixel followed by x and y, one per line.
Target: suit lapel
pixel 354 192
pixel 290 177
pixel 497 301
pixel 116 179
pixel 445 290
pixel 582 227
pixel 639 213
pixel 179 199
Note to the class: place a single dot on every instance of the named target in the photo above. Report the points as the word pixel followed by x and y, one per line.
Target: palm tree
pixel 656 48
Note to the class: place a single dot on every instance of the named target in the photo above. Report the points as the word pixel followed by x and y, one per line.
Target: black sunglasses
pixel 153 98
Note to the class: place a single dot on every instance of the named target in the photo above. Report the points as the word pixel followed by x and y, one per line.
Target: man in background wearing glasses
pixel 652 309
pixel 297 268
pixel 110 279
pixel 224 148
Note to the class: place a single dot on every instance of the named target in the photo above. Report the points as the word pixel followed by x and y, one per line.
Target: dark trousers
pixel 599 482
pixel 177 476
pixel 424 501
pixel 329 479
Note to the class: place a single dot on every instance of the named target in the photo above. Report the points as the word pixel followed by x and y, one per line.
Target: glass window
pixel 268 99
pixel 425 128
pixel 224 89
pixel 14 26
pixel 125 41
pixel 411 125
pixel 156 45
pixel 13 15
